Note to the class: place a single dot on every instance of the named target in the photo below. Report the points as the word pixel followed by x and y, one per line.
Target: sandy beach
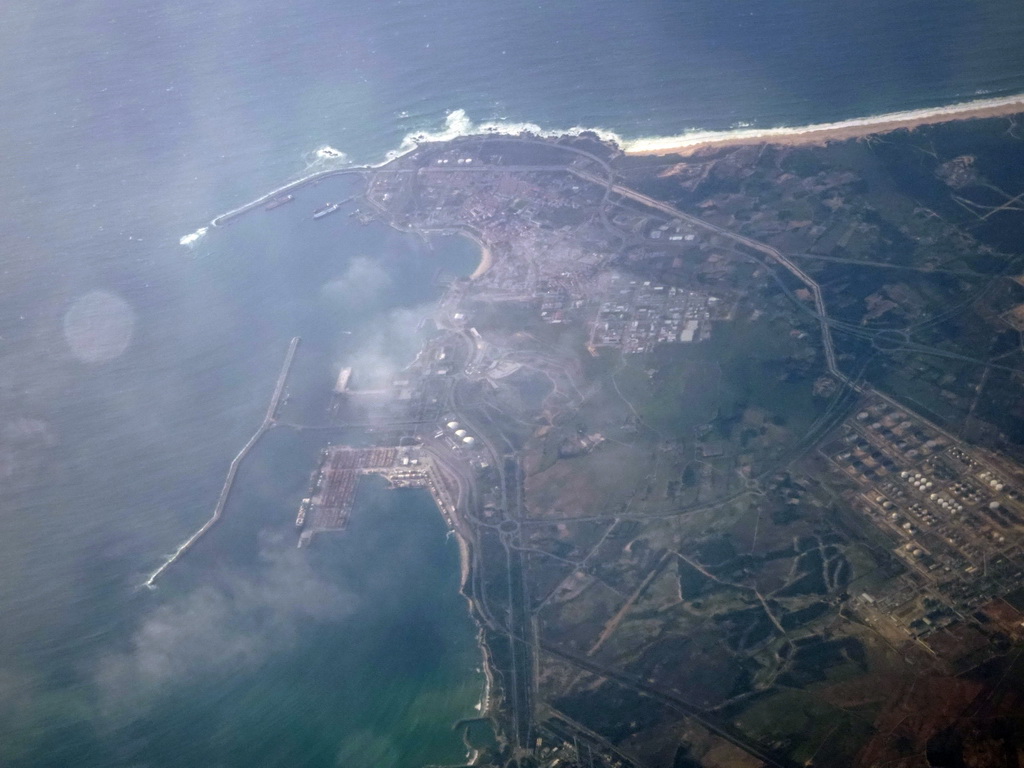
pixel 822 133
pixel 463 560
pixel 486 257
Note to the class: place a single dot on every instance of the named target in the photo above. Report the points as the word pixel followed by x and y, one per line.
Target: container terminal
pixel 333 484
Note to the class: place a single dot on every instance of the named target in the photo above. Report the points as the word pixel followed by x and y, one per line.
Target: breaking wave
pixel 190 239
pixel 329 153
pixel 324 158
pixel 457 123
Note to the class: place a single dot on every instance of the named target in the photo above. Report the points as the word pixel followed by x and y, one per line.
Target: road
pixel 512 617
pixel 673 701
pixel 608 183
pixel 819 303
pixel 516 624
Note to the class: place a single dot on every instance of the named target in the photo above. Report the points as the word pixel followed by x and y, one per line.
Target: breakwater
pixel 313 178
pixel 229 480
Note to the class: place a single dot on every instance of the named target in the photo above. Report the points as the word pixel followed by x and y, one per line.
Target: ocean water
pixel 133 368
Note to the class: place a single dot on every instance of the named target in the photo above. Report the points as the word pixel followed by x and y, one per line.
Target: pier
pixel 229 481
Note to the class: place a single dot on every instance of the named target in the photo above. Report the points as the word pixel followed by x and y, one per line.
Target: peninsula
pixel 731 441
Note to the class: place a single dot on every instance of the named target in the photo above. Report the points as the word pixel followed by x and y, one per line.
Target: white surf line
pixel 879 123
pixel 190 239
pixel 457 124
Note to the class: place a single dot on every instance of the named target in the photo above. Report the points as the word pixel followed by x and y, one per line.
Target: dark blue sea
pixel 132 368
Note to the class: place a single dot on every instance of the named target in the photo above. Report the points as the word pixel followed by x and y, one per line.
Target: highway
pixel 819 303
pixel 516 624
pixel 229 480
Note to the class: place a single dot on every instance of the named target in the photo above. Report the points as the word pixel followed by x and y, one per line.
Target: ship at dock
pixel 341 385
pixel 278 202
pixel 319 213
pixel 300 519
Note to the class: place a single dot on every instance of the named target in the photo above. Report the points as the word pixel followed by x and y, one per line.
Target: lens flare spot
pixel 98 327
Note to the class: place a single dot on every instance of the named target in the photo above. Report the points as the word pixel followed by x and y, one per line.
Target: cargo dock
pixel 332 487
pixel 229 480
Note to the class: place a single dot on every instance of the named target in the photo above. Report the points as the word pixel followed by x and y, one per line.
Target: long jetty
pixel 312 178
pixel 229 481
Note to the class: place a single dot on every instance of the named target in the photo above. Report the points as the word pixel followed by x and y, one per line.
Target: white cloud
pixel 361 286
pixel 237 625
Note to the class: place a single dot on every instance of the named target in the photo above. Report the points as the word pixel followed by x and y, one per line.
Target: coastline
pixel 809 135
pixel 465 559
pixel 823 133
pixel 458 125
pixel 465 566
pixel 486 256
